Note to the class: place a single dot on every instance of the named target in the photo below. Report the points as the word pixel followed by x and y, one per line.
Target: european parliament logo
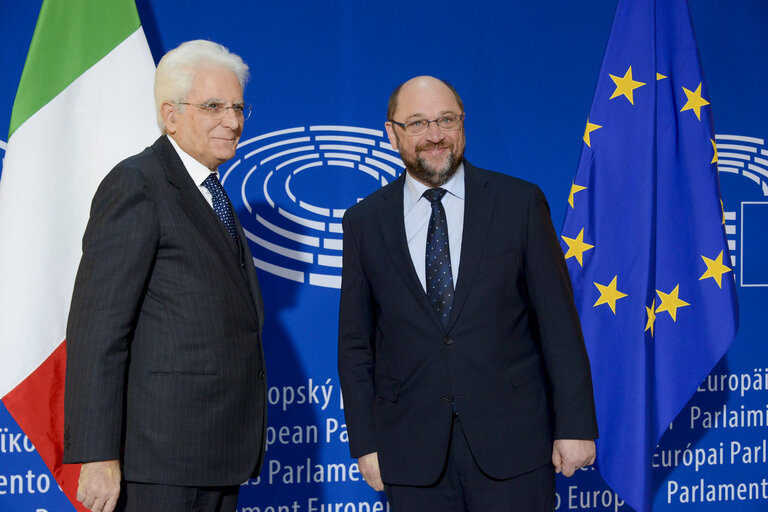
pixel 291 188
pixel 745 219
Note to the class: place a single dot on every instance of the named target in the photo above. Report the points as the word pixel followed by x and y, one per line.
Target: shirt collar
pixel 414 189
pixel 196 170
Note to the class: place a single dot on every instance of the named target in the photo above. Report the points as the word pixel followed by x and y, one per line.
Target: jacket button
pixel 448 340
pixel 445 399
pixel 261 374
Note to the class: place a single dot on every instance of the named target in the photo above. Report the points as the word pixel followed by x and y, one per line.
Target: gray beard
pixel 422 171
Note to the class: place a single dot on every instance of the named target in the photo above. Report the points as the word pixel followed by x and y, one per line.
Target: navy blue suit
pixel 511 359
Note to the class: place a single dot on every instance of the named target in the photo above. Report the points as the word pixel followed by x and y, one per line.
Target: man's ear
pixel 169 113
pixel 391 134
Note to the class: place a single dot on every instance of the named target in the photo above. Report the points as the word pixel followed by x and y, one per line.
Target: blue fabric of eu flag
pixel 644 239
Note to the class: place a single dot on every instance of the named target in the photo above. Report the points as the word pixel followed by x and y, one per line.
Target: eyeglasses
pixel 446 123
pixel 219 110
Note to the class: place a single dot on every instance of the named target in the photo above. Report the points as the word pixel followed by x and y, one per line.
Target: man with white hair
pixel 165 387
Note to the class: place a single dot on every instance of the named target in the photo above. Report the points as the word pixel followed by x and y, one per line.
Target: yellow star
pixel 577 247
pixel 609 294
pixel 715 269
pixel 589 129
pixel 722 211
pixel 625 85
pixel 670 303
pixel 574 188
pixel 695 101
pixel 659 76
pixel 651 316
pixel 714 147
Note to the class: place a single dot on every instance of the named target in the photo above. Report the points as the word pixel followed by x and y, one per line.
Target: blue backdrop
pixel 321 76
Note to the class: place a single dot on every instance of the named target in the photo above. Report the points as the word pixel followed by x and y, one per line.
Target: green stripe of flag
pixel 70 37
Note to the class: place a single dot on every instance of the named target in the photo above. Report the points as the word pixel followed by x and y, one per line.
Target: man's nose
pixel 434 133
pixel 232 119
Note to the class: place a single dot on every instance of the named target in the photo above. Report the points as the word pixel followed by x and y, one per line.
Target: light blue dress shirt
pixel 417 210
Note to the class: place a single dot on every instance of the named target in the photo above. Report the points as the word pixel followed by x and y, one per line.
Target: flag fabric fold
pixel 644 239
pixel 84 103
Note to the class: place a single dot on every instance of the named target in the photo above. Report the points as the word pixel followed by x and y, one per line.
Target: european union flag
pixel 644 239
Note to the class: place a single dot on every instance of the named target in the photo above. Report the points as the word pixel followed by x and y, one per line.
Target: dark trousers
pixel 141 497
pixel 463 487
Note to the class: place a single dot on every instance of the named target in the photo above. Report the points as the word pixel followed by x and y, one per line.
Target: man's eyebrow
pixel 422 116
pixel 415 116
pixel 220 100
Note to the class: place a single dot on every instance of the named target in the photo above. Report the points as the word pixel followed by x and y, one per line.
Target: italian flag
pixel 84 103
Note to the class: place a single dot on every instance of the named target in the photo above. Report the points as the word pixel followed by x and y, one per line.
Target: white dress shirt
pixel 197 171
pixel 417 211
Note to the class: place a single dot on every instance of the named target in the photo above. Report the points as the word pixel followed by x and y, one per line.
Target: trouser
pixel 142 497
pixel 463 486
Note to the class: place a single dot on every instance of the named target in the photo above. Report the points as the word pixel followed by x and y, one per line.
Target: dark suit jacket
pixel 165 367
pixel 512 357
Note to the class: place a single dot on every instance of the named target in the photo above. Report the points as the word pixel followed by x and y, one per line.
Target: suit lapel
pixel 191 199
pixel 478 212
pixel 393 229
pixel 200 213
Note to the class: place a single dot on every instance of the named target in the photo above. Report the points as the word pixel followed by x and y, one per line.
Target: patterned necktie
pixel 438 260
pixel 221 204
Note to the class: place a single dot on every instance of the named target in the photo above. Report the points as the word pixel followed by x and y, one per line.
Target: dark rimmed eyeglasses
pixel 447 123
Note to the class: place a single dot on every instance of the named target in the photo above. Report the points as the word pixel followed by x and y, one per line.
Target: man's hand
pixel 569 455
pixel 99 485
pixel 369 468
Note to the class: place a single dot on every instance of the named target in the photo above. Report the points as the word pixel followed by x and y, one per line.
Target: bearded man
pixel 465 379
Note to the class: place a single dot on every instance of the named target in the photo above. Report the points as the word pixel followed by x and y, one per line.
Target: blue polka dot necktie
pixel 221 204
pixel 438 260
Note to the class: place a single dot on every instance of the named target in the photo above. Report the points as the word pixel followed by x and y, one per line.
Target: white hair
pixel 176 71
